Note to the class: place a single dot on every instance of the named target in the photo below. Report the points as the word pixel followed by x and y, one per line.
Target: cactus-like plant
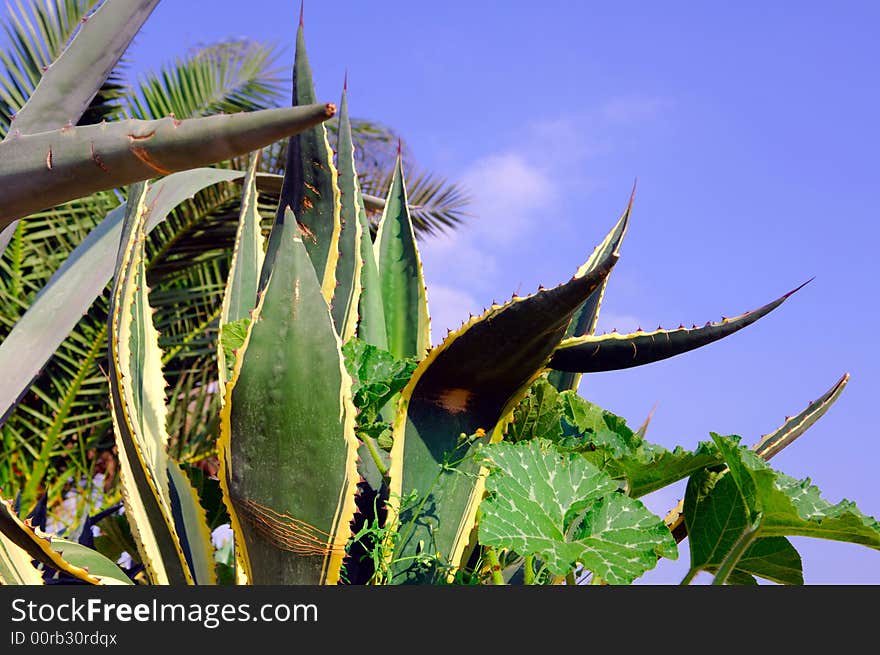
pixel 470 460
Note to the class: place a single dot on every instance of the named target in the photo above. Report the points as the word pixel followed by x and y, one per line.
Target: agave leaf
pixel 164 524
pixel 69 84
pixel 611 352
pixel 407 322
pixel 16 566
pixel 584 320
pixel 346 299
pixel 310 184
pixel 191 523
pixel 287 444
pixel 81 279
pixel 36 544
pixel 240 296
pixel 471 382
pixel 563 509
pixel 794 426
pixel 46 169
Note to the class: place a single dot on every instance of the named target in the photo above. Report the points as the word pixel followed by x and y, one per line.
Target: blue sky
pixel 752 131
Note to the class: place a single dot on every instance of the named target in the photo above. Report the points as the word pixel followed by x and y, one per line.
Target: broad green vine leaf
pixel 376 377
pixel 287 446
pixel 716 516
pixel 784 506
pixel 584 320
pixel 611 352
pixel 171 534
pixel 537 415
pixel 404 299
pixel 43 170
pixel 240 295
pixel 566 511
pixel 468 385
pixel 83 276
pixel 352 215
pixel 310 187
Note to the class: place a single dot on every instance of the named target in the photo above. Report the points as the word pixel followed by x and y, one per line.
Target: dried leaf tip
pixel 796 289
pixel 301 7
pixel 345 82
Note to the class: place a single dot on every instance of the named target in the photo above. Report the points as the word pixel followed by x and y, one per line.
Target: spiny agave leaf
pixel 46 169
pixel 16 566
pixel 346 299
pixel 137 389
pixel 407 322
pixel 81 279
pixel 310 185
pixel 36 544
pixel 783 506
pixel 611 352
pixel 794 426
pixel 69 84
pixel 191 524
pixel 566 511
pixel 88 559
pixel 584 320
pixel 240 296
pixel 291 511
pixel 471 382
pixel 716 516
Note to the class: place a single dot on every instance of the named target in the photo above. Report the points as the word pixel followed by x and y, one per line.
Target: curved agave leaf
pixel 404 299
pixel 80 280
pixel 468 385
pixel 46 169
pixel 584 320
pixel 288 447
pixel 16 566
pixel 310 184
pixel 611 352
pixel 36 544
pixel 169 527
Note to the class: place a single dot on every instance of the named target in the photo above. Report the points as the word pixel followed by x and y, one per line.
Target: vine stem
pixel 734 554
pixel 374 453
pixel 691 574
pixel 494 565
pixel 529 570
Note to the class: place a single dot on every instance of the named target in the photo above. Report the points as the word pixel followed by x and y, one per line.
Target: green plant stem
pixel 494 565
pixel 570 580
pixel 736 552
pixel 691 574
pixel 529 570
pixel 370 443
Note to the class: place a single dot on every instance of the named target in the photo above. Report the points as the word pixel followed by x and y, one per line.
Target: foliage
pixel 353 450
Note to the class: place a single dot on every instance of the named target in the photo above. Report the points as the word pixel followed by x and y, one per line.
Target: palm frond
pixel 222 78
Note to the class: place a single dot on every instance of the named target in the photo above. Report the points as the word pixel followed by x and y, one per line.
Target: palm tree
pixel 60 432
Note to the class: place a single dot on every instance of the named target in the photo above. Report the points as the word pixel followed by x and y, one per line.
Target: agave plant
pixel 54 416
pixel 354 449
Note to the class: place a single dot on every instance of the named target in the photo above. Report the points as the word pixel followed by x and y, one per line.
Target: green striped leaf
pixel 90 560
pixel 288 447
pixel 468 385
pixel 404 299
pixel 584 320
pixel 18 534
pixel 310 186
pixel 81 279
pixel 611 352
pixel 353 216
pixel 137 387
pixel 240 296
